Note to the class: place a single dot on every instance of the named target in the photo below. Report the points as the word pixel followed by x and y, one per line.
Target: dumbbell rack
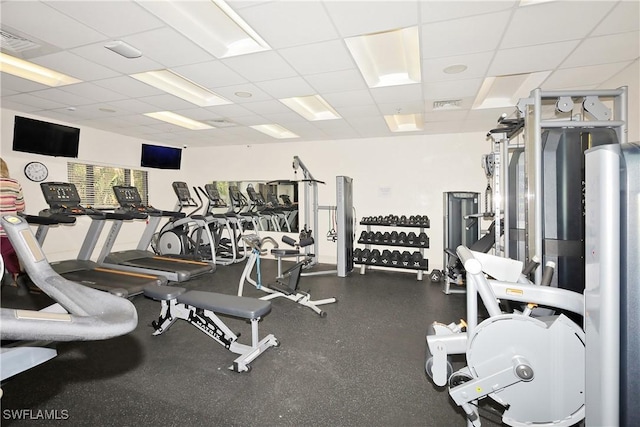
pixel 392 221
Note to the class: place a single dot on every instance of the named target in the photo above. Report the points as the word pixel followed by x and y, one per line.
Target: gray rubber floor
pixel 361 365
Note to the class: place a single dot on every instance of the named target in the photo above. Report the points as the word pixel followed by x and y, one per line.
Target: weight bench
pixel 201 308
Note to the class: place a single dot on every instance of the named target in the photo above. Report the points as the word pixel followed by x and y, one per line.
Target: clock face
pixel 36 171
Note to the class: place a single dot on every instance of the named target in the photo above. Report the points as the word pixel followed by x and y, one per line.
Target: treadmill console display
pixel 127 196
pixel 62 196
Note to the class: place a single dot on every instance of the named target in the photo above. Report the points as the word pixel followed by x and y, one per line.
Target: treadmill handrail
pixel 92 314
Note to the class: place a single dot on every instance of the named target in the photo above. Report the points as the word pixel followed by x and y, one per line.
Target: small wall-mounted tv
pixel 50 139
pixel 156 156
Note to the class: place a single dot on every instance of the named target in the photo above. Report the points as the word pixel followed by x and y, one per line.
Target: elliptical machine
pixel 188 236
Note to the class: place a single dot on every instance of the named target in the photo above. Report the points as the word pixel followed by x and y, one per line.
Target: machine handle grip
pixel 547 273
pixel 288 240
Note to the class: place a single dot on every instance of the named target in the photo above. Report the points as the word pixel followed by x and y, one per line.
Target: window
pixel 95 183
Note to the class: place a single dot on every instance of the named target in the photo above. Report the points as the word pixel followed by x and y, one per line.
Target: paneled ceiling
pixel 582 44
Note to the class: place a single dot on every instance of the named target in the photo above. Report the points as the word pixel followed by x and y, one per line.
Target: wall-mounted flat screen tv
pixel 50 139
pixel 156 156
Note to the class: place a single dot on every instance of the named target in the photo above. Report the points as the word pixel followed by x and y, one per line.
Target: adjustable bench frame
pixel 199 309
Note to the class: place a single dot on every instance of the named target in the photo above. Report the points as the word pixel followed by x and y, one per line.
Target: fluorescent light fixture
pixel 312 107
pixel 275 131
pixel 123 49
pixel 36 73
pixel 505 91
pixel 389 58
pixel 178 120
pixel 181 87
pixel 532 2
pixel 213 25
pixel 405 122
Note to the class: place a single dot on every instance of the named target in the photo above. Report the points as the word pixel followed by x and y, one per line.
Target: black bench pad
pixel 285 252
pixel 163 293
pixel 246 308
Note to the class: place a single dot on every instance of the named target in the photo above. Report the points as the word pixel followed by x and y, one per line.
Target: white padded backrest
pixel 92 314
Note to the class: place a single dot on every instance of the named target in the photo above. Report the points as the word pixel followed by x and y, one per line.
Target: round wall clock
pixel 36 171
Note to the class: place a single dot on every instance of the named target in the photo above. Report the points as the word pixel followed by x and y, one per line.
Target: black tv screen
pixel 50 139
pixel 155 156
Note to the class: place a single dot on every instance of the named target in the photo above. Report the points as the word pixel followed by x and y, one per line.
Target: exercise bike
pixel 532 366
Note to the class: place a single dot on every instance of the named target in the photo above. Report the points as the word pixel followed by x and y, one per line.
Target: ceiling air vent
pixel 16 43
pixel 448 104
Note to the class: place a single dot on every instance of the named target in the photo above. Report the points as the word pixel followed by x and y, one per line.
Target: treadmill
pixel 63 200
pixel 141 260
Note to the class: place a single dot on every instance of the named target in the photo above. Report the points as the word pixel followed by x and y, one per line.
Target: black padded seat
pixel 285 252
pixel 163 293
pixel 246 308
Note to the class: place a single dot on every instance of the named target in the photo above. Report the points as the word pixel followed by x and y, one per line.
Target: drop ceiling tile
pixel 167 102
pixel 257 94
pixel 102 56
pixel 266 107
pixel 30 102
pixel 401 93
pixel 477 65
pixel 167 47
pixel 112 18
pixel 353 18
pixel 19 84
pixel 56 115
pixel 65 98
pixel 134 106
pixel 43 22
pixel 348 112
pixel 583 76
pixel 284 118
pixel 318 57
pixel 452 89
pixel 434 11
pixel 465 104
pixel 277 21
pixel 349 98
pixel 250 120
pixel 337 81
pixel 74 66
pixel 286 88
pixel 402 107
pixel 463 36
pixel 93 91
pixel 337 129
pixel 451 116
pixel 230 110
pixel 491 115
pixel 624 17
pixel 210 74
pixel 530 59
pixel 369 126
pixel 553 22
pixel 259 67
pixel 605 49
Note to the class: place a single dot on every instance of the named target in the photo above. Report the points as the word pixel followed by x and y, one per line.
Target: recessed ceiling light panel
pixel 405 122
pixel 34 72
pixel 213 25
pixel 178 120
pixel 275 131
pixel 175 84
pixel 505 91
pixel 312 107
pixel 389 58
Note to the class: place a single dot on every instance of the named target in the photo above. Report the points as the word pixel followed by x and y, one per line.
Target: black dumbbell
pixel 393 237
pixel 435 276
pixel 396 257
pixel 363 237
pixel 423 240
pixel 386 237
pixel 371 236
pixel 406 259
pixel 377 238
pixel 386 257
pixel 416 259
pixel 412 239
pixel 403 219
pixel 424 221
pixel 402 238
pixel 376 257
pixel 357 255
pixel 365 257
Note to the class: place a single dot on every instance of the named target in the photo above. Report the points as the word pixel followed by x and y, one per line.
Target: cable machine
pixel 344 218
